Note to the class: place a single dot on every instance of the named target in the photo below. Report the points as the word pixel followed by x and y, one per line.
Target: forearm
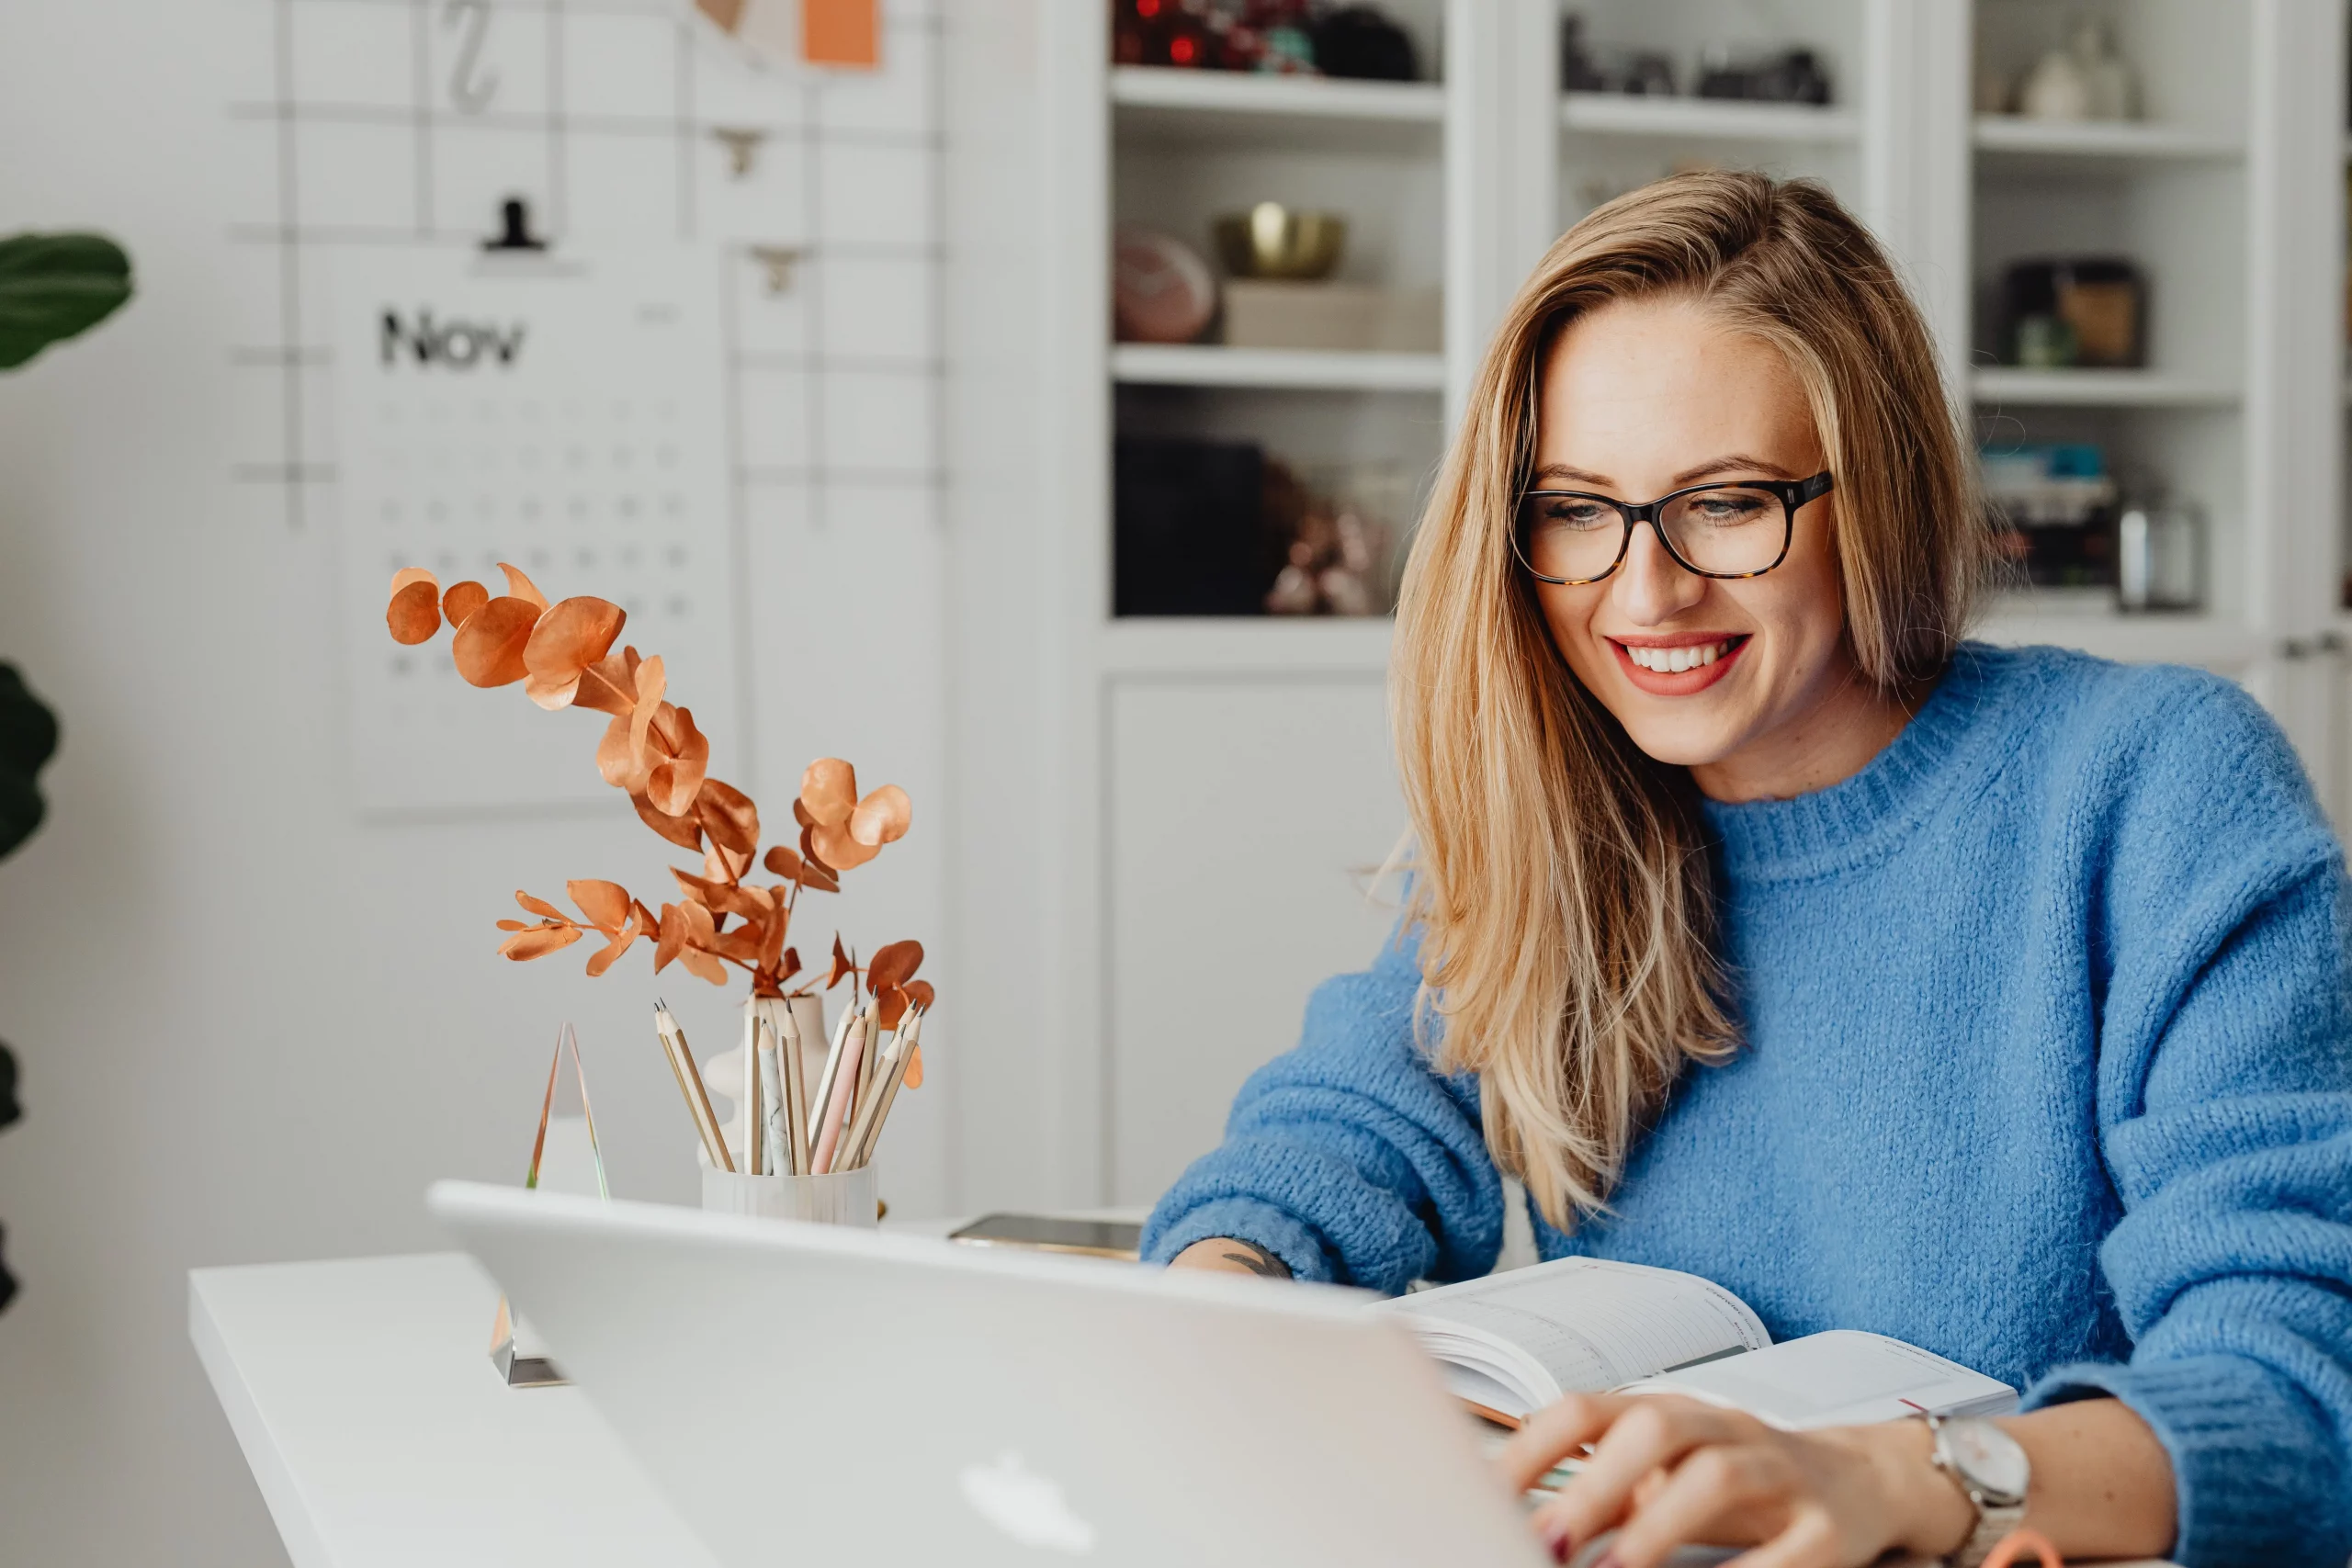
pixel 1225 1255
pixel 2102 1486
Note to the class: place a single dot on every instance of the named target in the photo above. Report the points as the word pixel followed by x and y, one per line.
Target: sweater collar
pixel 1867 815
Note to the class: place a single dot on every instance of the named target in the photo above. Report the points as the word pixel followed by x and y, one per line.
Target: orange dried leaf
pixel 674 783
pixel 838 850
pixel 414 614
pixel 671 938
pixel 411 574
pixel 892 966
pixel 842 965
pixel 564 643
pixel 462 600
pixel 606 904
pixel 618 760
pixel 538 942
pixel 539 906
pixel 882 818
pixel 919 993
pixel 741 944
pixel 727 815
pixel 522 587
pixel 704 965
pixel 712 894
pixel 828 790
pixel 609 954
pixel 511 926
pixel 683 831
pixel 609 685
pixel 800 814
pixel 791 961
pixel 781 861
pixel 650 684
pixel 700 931
pixel 722 864
pixel 914 1069
pixel 890 1009
pixel 489 648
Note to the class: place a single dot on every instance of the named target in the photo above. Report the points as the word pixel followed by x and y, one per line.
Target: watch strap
pixel 1992 1527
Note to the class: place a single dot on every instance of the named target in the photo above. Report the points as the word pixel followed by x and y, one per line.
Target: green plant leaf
pixel 27 737
pixel 54 285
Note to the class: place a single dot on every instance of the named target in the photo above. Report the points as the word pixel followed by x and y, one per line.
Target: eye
pixel 1572 512
pixel 1724 509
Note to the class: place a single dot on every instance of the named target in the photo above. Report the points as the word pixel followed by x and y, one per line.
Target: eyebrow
pixel 1736 462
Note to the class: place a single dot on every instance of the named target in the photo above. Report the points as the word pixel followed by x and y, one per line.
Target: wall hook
pixel 742 144
pixel 778 261
pixel 470 87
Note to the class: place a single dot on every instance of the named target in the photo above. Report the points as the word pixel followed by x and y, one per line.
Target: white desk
pixel 362 1395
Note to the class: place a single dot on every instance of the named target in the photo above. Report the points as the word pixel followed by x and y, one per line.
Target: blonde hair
pixel 1561 879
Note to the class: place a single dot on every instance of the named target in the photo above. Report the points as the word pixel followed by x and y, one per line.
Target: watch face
pixel 1989 1459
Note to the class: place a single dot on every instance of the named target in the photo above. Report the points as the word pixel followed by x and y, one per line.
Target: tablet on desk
pixel 1044 1233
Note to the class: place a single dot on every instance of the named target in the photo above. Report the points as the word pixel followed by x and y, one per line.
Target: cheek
pixel 1567 613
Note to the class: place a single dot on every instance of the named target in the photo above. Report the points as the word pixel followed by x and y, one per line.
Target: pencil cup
pixel 840 1198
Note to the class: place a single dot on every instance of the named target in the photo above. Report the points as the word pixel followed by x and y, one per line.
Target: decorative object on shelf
pixel 1162 292
pixel 653 750
pixel 1347 316
pixel 2088 311
pixel 1360 42
pixel 838 34
pixel 565 1158
pixel 1334 558
pixel 2058 503
pixel 1187 534
pixel 1579 72
pixel 2085 78
pixel 1275 37
pixel 1274 241
pixel 1640 71
pixel 1784 76
pixel 2160 555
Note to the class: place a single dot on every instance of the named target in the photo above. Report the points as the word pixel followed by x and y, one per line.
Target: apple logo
pixel 1025 1506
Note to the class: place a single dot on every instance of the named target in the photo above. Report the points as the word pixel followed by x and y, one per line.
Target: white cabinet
pixel 1174 808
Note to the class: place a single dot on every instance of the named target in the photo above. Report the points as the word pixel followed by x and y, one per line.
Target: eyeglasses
pixel 1734 529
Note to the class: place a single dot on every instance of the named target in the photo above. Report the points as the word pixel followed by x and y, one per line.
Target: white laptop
pixel 809 1394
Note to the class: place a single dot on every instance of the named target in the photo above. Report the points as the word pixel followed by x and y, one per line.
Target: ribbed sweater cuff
pixel 1246 1219
pixel 2241 1474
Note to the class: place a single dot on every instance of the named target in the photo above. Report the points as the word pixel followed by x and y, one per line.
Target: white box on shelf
pixel 1270 313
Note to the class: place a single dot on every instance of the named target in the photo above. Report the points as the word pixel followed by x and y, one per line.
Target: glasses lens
pixel 1572 537
pixel 1729 528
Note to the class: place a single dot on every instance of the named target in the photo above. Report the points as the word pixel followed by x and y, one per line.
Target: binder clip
pixel 564 1158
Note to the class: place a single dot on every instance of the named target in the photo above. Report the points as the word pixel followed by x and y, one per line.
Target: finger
pixel 1553 1433
pixel 1725 1494
pixel 1810 1541
pixel 1649 1432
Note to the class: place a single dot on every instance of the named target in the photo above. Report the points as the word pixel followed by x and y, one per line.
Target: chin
pixel 1681 743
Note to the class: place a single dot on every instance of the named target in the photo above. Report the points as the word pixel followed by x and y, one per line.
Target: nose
pixel 1650 587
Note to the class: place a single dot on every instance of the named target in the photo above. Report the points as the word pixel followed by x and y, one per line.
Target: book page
pixel 1590 1325
pixel 1839 1377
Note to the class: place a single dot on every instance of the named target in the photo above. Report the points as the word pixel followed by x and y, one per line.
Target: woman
pixel 1993 1000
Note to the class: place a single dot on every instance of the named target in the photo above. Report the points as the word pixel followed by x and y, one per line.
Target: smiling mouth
pixel 1674 660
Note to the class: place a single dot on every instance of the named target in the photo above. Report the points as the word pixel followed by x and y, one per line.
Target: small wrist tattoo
pixel 1258 1260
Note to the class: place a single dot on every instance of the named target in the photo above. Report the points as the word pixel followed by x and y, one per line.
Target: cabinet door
pixel 1244 821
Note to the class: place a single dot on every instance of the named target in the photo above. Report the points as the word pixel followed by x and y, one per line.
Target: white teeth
pixel 1674 660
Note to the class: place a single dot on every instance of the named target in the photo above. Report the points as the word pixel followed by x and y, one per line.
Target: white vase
pixel 2056 88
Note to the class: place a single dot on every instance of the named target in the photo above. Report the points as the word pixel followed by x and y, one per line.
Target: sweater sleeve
pixel 1348 1157
pixel 2225 1121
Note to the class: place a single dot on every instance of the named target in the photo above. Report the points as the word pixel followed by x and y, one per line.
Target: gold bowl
pixel 1272 241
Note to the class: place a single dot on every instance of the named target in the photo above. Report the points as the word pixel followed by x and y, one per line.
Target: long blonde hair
pixel 1561 878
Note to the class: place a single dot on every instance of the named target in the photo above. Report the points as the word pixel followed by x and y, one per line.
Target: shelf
pixel 1210 365
pixel 1626 114
pixel 1155 103
pixel 2103 139
pixel 1261 646
pixel 2096 627
pixel 2097 389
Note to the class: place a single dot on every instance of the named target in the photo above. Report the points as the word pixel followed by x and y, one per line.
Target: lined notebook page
pixel 1596 1324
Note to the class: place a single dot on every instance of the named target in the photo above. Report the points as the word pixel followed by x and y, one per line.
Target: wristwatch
pixel 1991 1467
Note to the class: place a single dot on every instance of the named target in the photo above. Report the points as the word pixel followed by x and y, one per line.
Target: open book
pixel 1511 1342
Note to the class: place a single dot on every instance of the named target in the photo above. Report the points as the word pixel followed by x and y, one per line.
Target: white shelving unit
pixel 1205 788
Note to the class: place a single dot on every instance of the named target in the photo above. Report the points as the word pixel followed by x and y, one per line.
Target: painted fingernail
pixel 1560 1539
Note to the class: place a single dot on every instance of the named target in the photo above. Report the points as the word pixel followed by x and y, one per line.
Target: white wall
pixel 252 1026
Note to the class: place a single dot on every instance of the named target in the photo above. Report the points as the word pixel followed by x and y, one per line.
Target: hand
pixel 1668 1472
pixel 1225 1255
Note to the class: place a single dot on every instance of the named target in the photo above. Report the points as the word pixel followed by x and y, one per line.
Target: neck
pixel 1830 740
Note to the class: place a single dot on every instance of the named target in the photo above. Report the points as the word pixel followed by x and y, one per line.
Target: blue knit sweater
pixel 2047 1068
